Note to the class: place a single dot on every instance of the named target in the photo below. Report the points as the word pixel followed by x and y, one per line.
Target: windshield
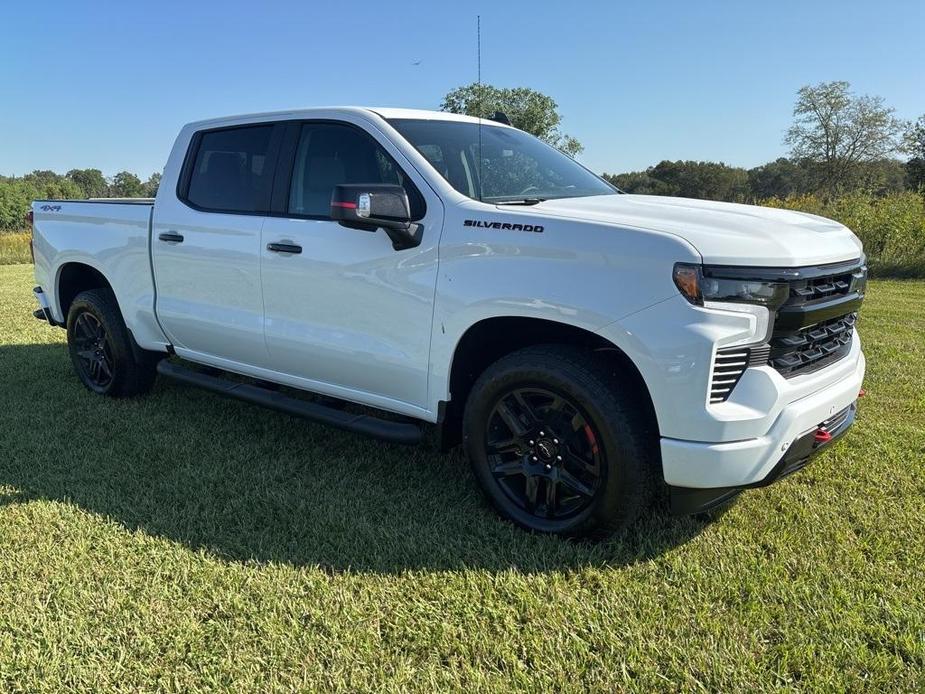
pixel 514 166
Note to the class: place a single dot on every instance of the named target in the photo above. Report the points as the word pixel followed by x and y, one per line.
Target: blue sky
pixel 108 85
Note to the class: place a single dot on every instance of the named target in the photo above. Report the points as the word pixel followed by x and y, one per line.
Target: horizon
pixel 724 94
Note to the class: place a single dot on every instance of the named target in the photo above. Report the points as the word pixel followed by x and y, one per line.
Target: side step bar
pixel 395 432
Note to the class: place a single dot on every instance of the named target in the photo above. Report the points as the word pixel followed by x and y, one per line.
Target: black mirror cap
pixel 371 206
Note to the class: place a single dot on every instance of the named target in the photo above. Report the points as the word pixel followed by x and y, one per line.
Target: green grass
pixel 184 542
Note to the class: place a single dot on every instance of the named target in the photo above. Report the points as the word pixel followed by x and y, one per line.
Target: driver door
pixel 344 312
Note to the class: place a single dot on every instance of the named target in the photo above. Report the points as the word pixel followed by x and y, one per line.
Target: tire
pixel 580 434
pixel 102 350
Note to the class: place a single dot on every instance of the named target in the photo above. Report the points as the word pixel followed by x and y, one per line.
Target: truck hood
pixel 723 233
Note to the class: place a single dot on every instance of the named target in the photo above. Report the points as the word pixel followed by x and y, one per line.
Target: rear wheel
pixel 556 444
pixel 101 348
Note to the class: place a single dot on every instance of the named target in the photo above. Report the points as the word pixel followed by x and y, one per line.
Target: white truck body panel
pixel 352 318
pixel 724 233
pixel 112 238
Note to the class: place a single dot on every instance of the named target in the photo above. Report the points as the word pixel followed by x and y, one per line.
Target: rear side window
pixel 231 171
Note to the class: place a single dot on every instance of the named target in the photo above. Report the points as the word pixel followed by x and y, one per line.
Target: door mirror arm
pixel 407 237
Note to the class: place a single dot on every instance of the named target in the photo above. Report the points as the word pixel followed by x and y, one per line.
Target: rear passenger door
pixel 206 245
pixel 348 315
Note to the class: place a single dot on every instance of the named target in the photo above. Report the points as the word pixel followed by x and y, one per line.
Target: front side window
pixel 500 164
pixel 231 172
pixel 329 154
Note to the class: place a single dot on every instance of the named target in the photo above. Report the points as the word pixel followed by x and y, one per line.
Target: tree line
pixel 783 178
pixel 18 192
pixel 839 143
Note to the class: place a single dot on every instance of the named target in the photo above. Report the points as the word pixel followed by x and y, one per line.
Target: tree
pixel 779 179
pixel 16 194
pixel 914 141
pixel 527 109
pixel 639 182
pixel 126 185
pixel 705 180
pixel 151 185
pixel 91 182
pixel 839 132
pixel 52 186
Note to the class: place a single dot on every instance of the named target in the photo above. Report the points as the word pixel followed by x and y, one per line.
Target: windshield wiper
pixel 522 201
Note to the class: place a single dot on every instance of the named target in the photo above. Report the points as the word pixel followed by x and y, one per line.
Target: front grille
pixel 805 292
pixel 811 348
pixel 812 329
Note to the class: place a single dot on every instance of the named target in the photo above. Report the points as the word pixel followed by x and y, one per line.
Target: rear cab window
pixel 231 169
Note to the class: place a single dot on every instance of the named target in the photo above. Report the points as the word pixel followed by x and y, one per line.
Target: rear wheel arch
pixel 77 277
pixel 74 278
pixel 490 339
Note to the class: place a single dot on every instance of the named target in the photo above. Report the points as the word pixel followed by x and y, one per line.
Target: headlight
pixel 699 283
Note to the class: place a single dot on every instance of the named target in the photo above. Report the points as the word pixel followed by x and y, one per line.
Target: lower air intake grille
pixel 729 365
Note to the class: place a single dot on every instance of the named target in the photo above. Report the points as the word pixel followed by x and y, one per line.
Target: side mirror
pixel 370 206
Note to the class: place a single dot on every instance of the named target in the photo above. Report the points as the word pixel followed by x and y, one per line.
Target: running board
pixel 395 432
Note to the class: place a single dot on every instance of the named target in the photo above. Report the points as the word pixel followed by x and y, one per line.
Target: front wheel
pixel 556 444
pixel 101 347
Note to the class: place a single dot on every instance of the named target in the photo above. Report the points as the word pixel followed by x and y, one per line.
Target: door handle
pixel 284 248
pixel 171 237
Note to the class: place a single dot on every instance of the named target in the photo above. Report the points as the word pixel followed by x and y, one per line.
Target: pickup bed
pixel 586 346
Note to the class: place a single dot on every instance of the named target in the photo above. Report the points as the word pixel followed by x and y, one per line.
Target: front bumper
pixel 688 500
pixel 748 461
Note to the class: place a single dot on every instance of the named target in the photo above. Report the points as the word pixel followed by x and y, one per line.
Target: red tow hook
pixel 822 436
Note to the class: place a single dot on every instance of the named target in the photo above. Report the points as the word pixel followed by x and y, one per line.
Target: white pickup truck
pixel 589 348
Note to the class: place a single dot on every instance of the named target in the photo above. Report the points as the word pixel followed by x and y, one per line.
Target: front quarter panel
pixel 584 274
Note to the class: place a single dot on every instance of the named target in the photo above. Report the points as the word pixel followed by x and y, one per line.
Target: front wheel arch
pixel 490 339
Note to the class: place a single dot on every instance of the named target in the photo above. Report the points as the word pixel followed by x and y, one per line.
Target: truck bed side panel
pixel 114 239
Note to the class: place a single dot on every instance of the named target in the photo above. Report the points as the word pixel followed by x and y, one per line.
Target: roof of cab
pixel 383 112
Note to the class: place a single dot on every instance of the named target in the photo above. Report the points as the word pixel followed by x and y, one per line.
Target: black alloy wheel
pixel 544 453
pixel 94 352
pixel 560 443
pixel 104 354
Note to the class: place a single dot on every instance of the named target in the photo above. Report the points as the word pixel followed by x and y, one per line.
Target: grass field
pixel 14 248
pixel 183 542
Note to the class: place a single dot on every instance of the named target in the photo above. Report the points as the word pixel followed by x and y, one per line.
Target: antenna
pixel 478 38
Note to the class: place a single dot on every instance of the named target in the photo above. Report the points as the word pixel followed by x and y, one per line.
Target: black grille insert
pixel 811 348
pixel 809 291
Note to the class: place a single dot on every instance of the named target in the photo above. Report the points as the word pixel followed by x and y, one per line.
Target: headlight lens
pixel 699 283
